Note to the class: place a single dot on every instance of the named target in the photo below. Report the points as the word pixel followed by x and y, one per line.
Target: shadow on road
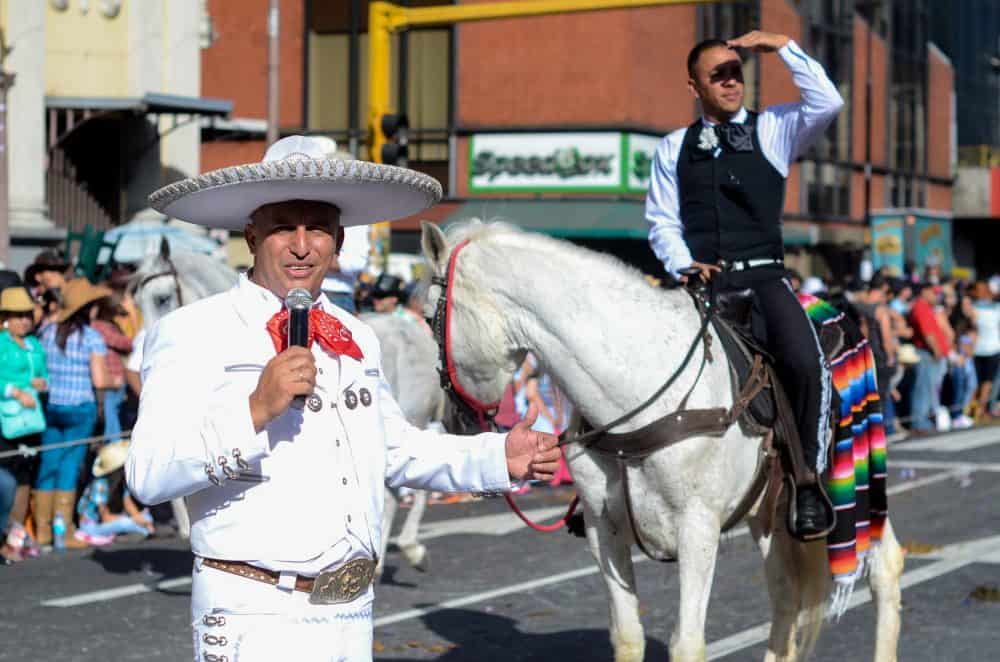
pixel 475 635
pixel 164 563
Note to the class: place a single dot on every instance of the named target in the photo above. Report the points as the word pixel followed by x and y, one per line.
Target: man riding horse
pixel 714 208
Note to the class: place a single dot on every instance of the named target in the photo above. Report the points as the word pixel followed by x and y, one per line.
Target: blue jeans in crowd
pixel 889 415
pixel 60 469
pixel 113 399
pixel 8 485
pixel 119 526
pixel 964 384
pixel 926 395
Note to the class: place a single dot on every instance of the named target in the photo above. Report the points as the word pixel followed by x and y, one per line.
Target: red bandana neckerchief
pixel 333 336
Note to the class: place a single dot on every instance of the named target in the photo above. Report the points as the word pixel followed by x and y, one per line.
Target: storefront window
pixel 338 41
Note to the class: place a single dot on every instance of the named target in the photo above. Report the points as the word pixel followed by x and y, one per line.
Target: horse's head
pixel 165 281
pixel 467 316
pixel 156 288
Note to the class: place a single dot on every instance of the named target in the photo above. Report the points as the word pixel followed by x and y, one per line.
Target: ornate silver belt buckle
pixel 346 583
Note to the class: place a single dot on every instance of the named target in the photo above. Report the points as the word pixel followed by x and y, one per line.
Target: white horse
pixel 610 340
pixel 409 359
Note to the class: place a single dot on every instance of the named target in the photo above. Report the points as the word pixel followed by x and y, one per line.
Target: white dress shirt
pixel 326 468
pixel 784 132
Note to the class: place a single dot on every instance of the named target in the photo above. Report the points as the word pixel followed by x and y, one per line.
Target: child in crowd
pixel 106 509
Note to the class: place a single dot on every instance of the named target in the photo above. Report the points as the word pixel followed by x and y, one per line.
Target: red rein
pixel 481 409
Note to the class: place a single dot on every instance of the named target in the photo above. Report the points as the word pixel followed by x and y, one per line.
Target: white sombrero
pixel 299 168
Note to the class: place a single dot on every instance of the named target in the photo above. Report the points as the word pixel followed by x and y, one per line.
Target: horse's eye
pixel 162 300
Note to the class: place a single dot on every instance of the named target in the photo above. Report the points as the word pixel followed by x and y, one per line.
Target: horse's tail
pixel 814 583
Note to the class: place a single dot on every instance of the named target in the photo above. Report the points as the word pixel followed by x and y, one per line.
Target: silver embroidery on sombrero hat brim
pixel 365 192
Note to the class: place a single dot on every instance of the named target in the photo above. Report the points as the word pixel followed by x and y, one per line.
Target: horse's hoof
pixel 417 556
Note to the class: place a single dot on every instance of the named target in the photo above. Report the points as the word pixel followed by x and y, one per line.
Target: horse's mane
pixel 499 229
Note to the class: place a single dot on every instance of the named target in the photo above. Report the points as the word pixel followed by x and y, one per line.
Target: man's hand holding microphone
pixel 292 373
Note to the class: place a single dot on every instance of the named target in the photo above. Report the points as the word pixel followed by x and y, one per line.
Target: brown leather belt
pixel 343 584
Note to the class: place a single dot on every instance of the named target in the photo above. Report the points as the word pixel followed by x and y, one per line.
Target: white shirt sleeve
pixel 663 206
pixel 185 422
pixel 786 131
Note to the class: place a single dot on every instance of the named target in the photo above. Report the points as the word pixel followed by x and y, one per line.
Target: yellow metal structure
pixel 385 18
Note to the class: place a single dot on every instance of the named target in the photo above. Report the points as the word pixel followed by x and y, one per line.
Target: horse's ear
pixel 164 248
pixel 434 244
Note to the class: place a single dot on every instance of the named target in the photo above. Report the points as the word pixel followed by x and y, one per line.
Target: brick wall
pixel 939 197
pixel 880 90
pixel 611 67
pixel 222 153
pixel 235 67
pixel 776 84
pixel 941 88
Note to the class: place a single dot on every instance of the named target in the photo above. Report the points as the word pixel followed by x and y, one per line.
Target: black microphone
pixel 298 302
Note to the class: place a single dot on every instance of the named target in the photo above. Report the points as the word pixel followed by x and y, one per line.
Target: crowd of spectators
pixel 67 373
pixel 62 383
pixel 936 342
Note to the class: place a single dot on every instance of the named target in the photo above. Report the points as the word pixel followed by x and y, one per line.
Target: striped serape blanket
pixel 856 480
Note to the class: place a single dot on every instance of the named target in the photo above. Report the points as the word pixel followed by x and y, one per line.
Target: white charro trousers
pixel 235 619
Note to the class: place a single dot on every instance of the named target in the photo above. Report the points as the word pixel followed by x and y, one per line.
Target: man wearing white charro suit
pixel 285 495
pixel 714 206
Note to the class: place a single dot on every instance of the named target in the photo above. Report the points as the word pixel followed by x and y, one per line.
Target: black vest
pixel 731 205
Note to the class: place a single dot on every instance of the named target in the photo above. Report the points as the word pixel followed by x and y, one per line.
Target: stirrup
pixel 793 512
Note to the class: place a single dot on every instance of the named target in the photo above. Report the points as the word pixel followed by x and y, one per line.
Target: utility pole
pixel 6 81
pixel 273 21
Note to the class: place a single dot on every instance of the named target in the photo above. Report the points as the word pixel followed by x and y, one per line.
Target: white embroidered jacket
pixel 326 464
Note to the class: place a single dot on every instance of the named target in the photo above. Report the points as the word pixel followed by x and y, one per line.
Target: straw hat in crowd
pixel 15 300
pixel 110 458
pixel 78 293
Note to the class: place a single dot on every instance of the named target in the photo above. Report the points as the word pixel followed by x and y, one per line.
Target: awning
pixel 593 219
pixel 152 102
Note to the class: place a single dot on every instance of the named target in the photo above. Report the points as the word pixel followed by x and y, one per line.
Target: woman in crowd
pixel 985 314
pixel 77 366
pixel 23 377
pixel 107 313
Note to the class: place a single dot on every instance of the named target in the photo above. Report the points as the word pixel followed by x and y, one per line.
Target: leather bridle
pixel 171 271
pixel 482 413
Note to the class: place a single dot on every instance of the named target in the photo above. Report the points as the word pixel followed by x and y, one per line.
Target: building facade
pixel 551 121
pixel 969 34
pixel 104 109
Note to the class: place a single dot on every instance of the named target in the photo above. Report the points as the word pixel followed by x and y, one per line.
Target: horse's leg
pixel 781 572
pixel 388 513
pixel 886 569
pixel 414 552
pixel 798 583
pixel 612 549
pixel 697 546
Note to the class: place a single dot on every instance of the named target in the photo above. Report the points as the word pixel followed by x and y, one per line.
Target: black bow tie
pixel 736 137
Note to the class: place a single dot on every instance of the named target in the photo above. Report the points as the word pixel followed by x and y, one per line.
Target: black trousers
pixel 781 325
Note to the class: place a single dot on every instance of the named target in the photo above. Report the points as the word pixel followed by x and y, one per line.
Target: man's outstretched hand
pixel 531 455
pixel 759 42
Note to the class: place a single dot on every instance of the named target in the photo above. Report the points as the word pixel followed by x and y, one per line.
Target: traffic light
pixel 390 140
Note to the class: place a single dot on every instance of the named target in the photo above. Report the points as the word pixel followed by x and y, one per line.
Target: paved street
pixel 497 591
